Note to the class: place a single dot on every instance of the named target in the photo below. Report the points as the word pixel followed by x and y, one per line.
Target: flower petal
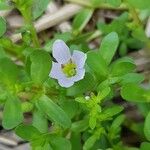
pixel 61 52
pixel 80 75
pixel 56 72
pixel 79 58
pixel 65 82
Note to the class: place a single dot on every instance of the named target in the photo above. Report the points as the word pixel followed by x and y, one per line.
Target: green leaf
pixel 40 66
pixel 112 111
pixel 140 4
pixel 103 93
pixel 146 127
pixel 123 49
pixel 122 66
pixel 117 122
pixel 39 121
pixel 143 108
pixel 59 143
pixel 135 93
pixel 89 142
pixel 132 78
pixel 76 141
pixel 12 115
pixel 92 120
pixel 139 33
pixel 145 146
pixel 2 26
pixel 4 5
pixel 39 6
pixel 80 126
pixel 117 25
pixel 114 2
pixel 82 86
pixel 109 46
pixel 9 71
pixel 46 146
pixel 53 111
pixel 115 127
pixel 27 132
pixel 2 53
pixel 96 3
pixel 70 106
pixel 97 64
pixel 81 19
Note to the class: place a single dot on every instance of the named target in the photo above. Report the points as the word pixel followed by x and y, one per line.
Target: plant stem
pixel 135 15
pixel 139 23
pixel 101 6
pixel 96 34
pixel 26 13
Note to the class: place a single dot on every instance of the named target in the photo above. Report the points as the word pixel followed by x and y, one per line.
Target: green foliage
pixel 111 40
pixel 12 115
pixel 121 26
pixel 81 19
pixel 59 143
pixel 2 26
pixel 115 127
pixel 140 4
pixel 53 111
pixel 132 78
pixel 97 64
pixel 39 7
pixel 114 2
pixel 145 146
pixel 146 127
pixel 39 121
pixel 87 114
pixel 80 126
pixel 27 132
pixel 122 66
pixel 39 69
pixel 4 5
pixel 9 72
pixel 82 86
pixel 135 93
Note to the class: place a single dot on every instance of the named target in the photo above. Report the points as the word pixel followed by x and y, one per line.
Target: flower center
pixel 69 69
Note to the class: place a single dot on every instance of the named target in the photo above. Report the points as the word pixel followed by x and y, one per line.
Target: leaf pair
pixel 98 61
pixel 42 141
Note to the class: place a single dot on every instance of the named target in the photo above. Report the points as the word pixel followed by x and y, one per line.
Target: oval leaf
pixel 54 112
pixel 135 93
pixel 97 64
pixel 12 115
pixel 27 132
pixel 109 46
pixel 40 66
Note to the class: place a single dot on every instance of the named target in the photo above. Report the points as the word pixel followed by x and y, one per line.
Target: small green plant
pixel 67 87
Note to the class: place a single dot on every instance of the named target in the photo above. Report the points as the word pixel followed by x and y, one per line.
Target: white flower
pixel 68 68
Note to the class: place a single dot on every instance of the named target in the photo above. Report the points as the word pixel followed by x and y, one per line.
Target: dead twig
pixel 47 21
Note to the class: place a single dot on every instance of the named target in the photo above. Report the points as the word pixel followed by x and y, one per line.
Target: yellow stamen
pixel 69 69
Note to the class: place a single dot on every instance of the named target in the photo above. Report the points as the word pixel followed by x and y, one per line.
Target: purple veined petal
pixel 65 82
pixel 56 72
pixel 61 52
pixel 79 58
pixel 79 76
